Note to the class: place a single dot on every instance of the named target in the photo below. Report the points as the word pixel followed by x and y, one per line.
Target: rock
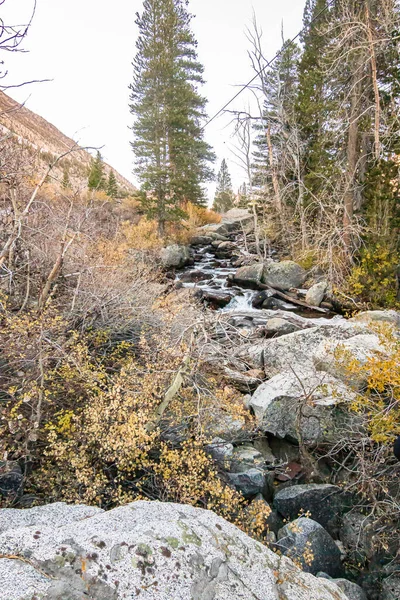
pixel 51 516
pixel 277 327
pixel 274 522
pixel 175 257
pixel 322 501
pixel 215 297
pixel 244 458
pixel 296 350
pixel 378 316
pixel 224 425
pixel 284 450
pixel 356 534
pixel 234 220
pixel 352 590
pixel 307 542
pixel 221 450
pixel 194 276
pixel 249 277
pixel 201 240
pixel 333 356
pixel 284 275
pixel 229 246
pixel 11 480
pixel 390 589
pixel 316 293
pixel 252 482
pixel 261 444
pixel 276 403
pixel 160 551
pixel 277 304
pixel 259 298
pixel 244 382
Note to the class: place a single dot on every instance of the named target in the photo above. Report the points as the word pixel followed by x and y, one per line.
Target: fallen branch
pixel 293 300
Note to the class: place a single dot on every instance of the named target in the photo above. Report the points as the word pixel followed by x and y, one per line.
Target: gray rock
pixel 252 482
pixel 201 240
pixel 249 277
pixel 284 450
pixel 221 450
pixel 307 542
pixel 244 458
pixel 262 445
pixel 390 589
pixel 215 297
pixel 241 381
pixel 277 327
pixel 276 405
pixel 296 350
pixel 51 515
pixel 194 276
pixel 352 590
pixel 322 501
pixel 356 534
pixel 162 551
pixel 332 356
pixel 316 293
pixel 284 275
pixel 175 256
pixel 378 316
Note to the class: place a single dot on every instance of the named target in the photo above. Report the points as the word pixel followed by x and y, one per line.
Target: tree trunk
pixel 352 160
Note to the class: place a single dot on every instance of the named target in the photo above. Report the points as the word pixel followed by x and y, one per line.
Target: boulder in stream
pixel 284 275
pixel 175 256
pixel 316 293
pixel 249 276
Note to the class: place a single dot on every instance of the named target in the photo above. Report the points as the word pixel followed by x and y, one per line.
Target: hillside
pixel 48 141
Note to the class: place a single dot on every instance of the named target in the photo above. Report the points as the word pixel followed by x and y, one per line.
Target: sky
pixel 86 48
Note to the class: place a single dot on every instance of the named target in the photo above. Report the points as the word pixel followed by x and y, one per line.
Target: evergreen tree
pixel 66 183
pixel 172 159
pixel 315 101
pixel 224 198
pixel 96 180
pixel 112 186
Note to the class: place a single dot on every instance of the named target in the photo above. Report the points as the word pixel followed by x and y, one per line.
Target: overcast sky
pixel 86 47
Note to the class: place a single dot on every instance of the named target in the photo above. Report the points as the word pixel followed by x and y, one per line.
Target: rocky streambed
pixel 275 338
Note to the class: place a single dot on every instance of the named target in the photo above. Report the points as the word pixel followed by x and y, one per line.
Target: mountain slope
pixel 48 142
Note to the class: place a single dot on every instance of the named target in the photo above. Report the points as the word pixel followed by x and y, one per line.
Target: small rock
pixel 220 450
pixel 316 293
pixel 201 240
pixel 194 276
pixel 390 589
pixel 244 458
pixel 262 445
pixel 215 297
pixel 252 482
pixel 259 298
pixel 11 480
pixel 356 534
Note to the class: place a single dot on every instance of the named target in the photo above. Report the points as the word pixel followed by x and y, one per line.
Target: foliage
pixel 66 183
pixel 171 156
pixel 224 198
pixel 373 279
pixel 112 186
pixel 96 179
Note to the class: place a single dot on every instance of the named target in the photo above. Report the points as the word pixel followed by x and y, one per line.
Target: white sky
pixel 86 47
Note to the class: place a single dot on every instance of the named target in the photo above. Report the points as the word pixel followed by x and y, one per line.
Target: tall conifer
pixel 224 197
pixel 172 159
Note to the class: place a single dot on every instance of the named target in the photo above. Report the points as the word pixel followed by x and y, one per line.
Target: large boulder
pixel 334 357
pixel 284 275
pixel 306 541
pixel 150 550
pixel 290 406
pixel 295 351
pixel 249 277
pixel 378 316
pixel 324 502
pixel 175 257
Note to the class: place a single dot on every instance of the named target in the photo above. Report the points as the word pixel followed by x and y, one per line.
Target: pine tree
pixel 315 101
pixel 224 197
pixel 112 186
pixel 66 183
pixel 172 159
pixel 96 180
